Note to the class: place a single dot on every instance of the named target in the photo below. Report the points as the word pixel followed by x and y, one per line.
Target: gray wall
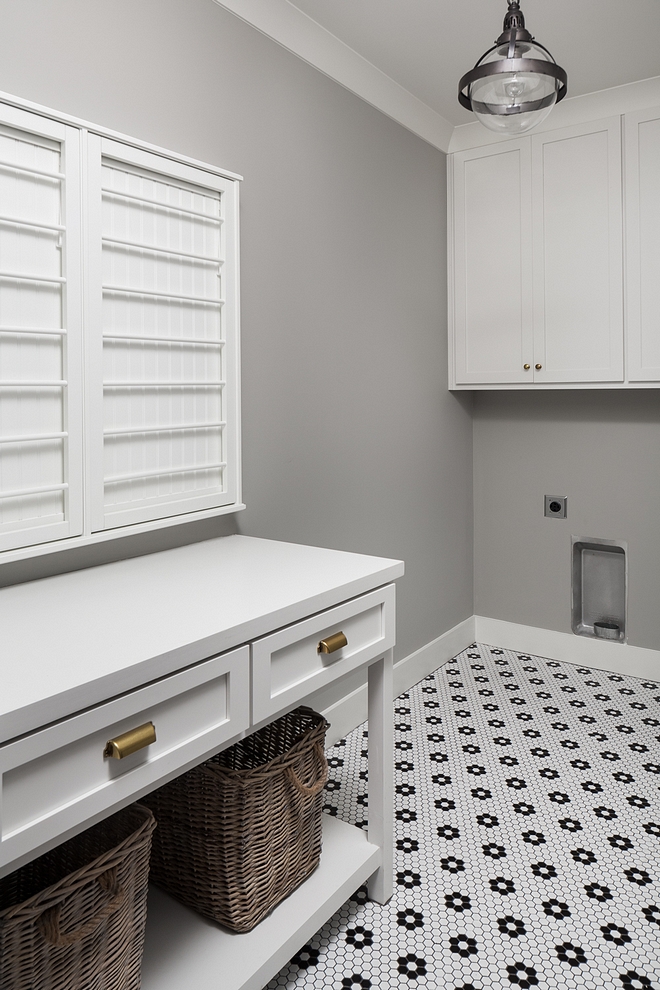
pixel 600 448
pixel 351 439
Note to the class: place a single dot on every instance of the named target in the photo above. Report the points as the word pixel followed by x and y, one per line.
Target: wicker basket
pixel 74 918
pixel 239 833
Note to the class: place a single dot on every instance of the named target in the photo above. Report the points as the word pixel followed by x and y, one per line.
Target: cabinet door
pixel 642 192
pixel 492 257
pixel 578 317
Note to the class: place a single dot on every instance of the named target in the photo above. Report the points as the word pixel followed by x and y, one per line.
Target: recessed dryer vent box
pixel 599 589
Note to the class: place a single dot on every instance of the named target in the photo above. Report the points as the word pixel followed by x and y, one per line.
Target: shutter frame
pixel 141 166
pixel 36 464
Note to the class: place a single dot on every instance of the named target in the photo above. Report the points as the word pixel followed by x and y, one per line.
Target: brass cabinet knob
pixel 526 367
pixel 130 742
pixel 538 366
pixel 332 643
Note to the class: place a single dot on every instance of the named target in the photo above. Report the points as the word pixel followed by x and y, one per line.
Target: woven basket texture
pixel 74 918
pixel 239 833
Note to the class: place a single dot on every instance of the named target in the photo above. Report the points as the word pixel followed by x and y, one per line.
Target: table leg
pixel 381 782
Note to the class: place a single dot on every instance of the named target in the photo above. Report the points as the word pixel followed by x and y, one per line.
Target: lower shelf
pixel 185 950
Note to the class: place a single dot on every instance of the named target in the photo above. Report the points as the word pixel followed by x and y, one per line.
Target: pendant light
pixel 515 85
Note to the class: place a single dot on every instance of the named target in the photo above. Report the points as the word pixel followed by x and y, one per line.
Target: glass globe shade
pixel 512 102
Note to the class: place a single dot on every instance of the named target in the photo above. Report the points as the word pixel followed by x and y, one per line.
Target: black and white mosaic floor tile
pixel 527 829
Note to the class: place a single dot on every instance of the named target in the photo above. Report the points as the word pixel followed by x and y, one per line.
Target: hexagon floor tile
pixel 527 831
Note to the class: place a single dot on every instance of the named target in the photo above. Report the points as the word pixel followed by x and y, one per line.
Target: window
pixel 119 311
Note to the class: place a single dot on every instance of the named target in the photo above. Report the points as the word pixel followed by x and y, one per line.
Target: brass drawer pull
pixel 332 643
pixel 130 742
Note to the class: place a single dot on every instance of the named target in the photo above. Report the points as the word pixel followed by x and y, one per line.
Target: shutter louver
pixel 166 442
pixel 40 489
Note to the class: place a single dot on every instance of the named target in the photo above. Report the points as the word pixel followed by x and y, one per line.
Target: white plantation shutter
pixel 133 254
pixel 162 327
pixel 40 327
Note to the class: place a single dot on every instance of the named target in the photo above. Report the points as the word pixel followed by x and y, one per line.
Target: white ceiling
pixel 427 45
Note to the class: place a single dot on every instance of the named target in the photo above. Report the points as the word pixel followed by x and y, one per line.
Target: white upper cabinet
pixel 536 248
pixel 493 263
pixel 578 310
pixel 642 187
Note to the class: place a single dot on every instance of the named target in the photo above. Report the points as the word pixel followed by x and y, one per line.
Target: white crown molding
pixel 573 110
pixel 300 34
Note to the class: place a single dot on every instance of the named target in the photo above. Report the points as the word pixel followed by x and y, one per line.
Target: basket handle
pixel 311 790
pixel 49 922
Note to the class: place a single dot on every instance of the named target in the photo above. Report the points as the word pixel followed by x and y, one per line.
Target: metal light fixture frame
pixel 514 34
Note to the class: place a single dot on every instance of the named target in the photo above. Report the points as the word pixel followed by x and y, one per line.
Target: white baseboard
pixel 351 711
pixel 424 661
pixel 345 715
pixel 619 658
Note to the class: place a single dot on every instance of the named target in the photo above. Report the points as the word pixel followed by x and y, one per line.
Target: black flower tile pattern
pixel 527 835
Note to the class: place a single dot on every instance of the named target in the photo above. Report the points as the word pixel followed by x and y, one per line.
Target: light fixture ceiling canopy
pixel 516 83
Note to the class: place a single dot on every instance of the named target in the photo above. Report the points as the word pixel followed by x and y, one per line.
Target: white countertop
pixel 77 639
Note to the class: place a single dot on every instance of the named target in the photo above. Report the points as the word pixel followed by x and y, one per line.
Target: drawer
pixel 56 779
pixel 287 665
